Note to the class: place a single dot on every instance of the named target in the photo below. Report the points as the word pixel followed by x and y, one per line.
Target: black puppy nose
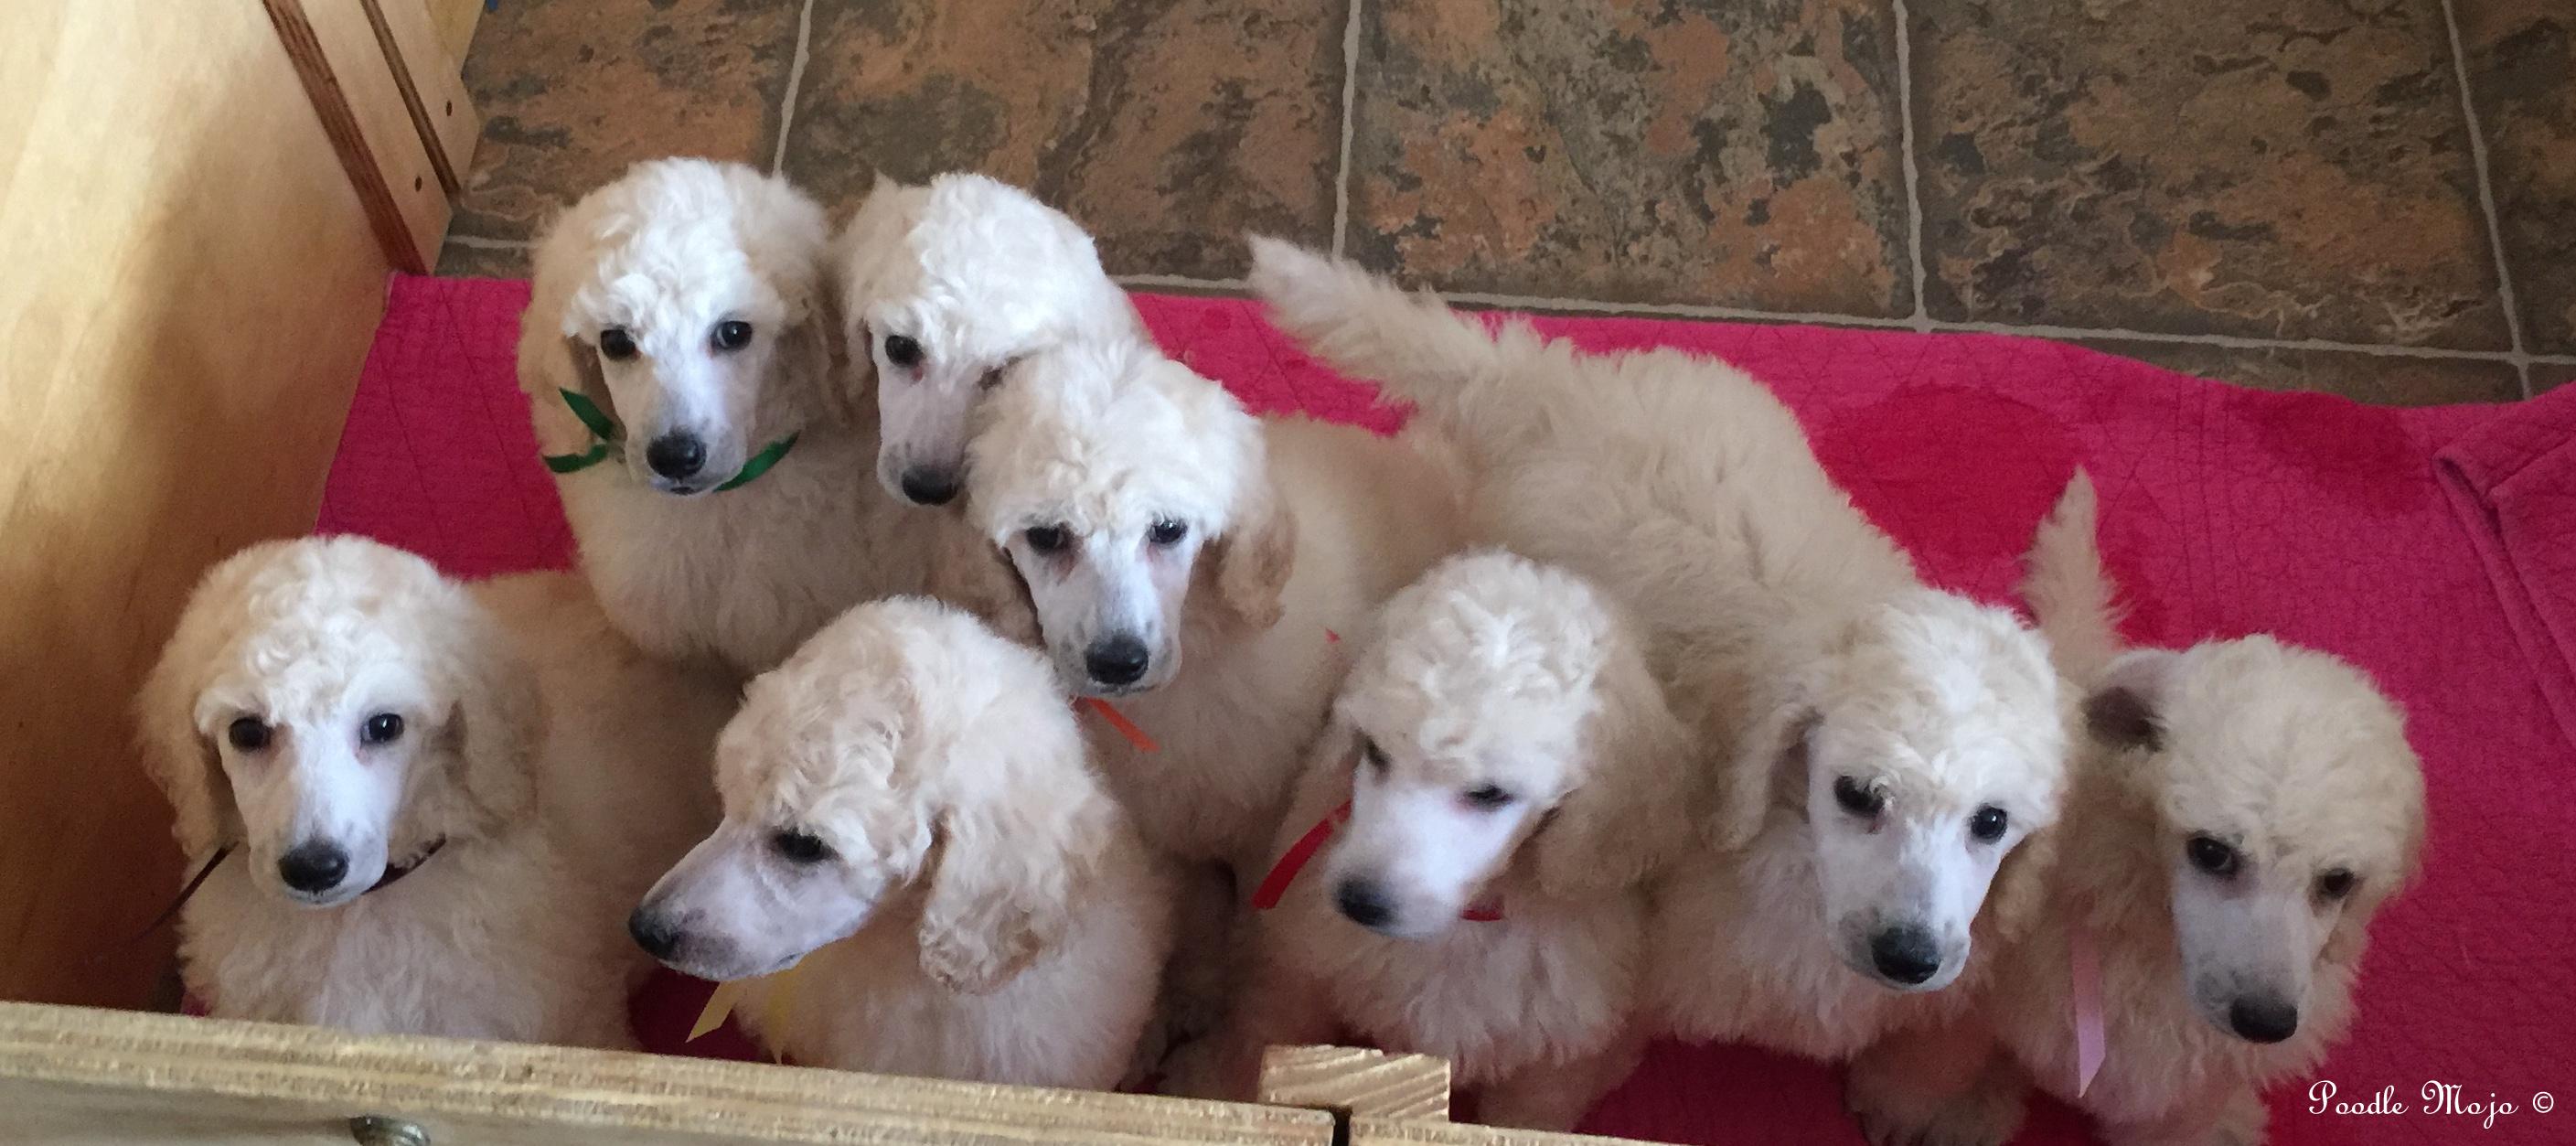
pixel 676 455
pixel 1364 903
pixel 926 486
pixel 313 867
pixel 1905 954
pixel 2262 1020
pixel 653 933
pixel 1118 660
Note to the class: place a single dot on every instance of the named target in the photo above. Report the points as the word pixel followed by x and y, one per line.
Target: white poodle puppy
pixel 1501 745
pixel 908 813
pixel 678 356
pixel 1169 549
pixel 1881 750
pixel 2242 809
pixel 942 286
pixel 434 803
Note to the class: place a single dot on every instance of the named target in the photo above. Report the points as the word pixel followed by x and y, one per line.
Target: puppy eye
pixel 1375 755
pixel 1485 797
pixel 1988 824
pixel 1048 539
pixel 2336 884
pixel 902 351
pixel 801 847
pixel 248 734
pixel 616 345
pixel 1167 532
pixel 382 728
pixel 2211 855
pixel 1858 800
pixel 731 334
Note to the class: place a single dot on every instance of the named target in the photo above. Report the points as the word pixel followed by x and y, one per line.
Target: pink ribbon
pixel 2084 966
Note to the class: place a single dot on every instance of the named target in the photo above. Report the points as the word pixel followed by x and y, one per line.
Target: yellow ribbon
pixel 782 1000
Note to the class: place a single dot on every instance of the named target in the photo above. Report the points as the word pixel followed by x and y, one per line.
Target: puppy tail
pixel 2066 588
pixel 1413 346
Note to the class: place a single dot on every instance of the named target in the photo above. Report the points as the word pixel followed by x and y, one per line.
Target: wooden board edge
pixel 1357 1081
pixel 432 84
pixel 159 1057
pixel 357 99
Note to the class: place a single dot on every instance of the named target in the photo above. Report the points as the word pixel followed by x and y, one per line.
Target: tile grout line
pixel 2486 196
pixel 1866 322
pixel 1922 318
pixel 480 243
pixel 795 83
pixel 1350 117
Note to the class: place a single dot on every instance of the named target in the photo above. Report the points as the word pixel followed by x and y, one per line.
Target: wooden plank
pixel 71 1074
pixel 1394 1132
pixel 1357 1082
pixel 456 20
pixel 351 83
pixel 432 84
pixel 185 310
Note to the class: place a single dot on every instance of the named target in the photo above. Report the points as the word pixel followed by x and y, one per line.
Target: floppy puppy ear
pixel 1630 815
pixel 495 723
pixel 1253 561
pixel 2020 893
pixel 179 758
pixel 810 349
pixel 1770 763
pixel 1010 865
pixel 977 576
pixel 2125 708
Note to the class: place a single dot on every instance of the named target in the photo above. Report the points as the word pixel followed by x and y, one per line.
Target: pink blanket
pixel 2436 548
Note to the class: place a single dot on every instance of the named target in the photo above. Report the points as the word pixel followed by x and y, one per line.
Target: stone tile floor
pixel 2370 197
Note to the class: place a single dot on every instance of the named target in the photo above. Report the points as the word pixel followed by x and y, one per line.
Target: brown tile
pixel 467 261
pixel 2548 376
pixel 2298 169
pixel 572 91
pixel 2383 380
pixel 1682 151
pixel 2522 70
pixel 1168 129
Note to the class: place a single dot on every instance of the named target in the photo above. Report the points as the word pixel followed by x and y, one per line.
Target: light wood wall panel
pixel 190 287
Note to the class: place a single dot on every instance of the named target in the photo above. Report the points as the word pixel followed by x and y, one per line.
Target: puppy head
pixel 1927 742
pixel 904 743
pixel 685 299
pixel 1502 711
pixel 335 707
pixel 2288 807
pixel 944 285
pixel 1113 478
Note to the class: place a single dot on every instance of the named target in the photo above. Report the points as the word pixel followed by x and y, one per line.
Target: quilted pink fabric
pixel 2436 548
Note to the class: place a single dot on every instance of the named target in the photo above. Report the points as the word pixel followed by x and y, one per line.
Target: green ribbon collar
pixel 608 441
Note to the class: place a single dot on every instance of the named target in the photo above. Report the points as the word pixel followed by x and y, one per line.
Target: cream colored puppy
pixel 1881 750
pixel 2243 808
pixel 1500 751
pixel 1201 566
pixel 435 802
pixel 909 815
pixel 728 509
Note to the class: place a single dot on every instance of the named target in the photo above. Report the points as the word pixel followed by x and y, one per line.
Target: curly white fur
pixel 1501 741
pixel 665 254
pixel 964 275
pixel 560 766
pixel 1793 637
pixel 2288 758
pixel 970 902
pixel 1281 535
